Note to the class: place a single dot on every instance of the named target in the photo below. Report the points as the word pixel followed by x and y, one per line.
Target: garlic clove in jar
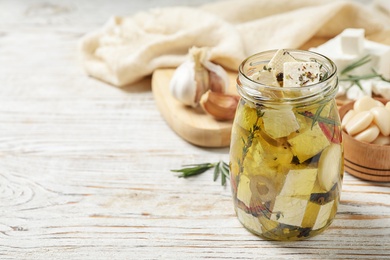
pixel 196 76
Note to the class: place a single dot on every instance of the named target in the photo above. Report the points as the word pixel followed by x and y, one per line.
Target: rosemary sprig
pixel 220 169
pixel 248 143
pixel 319 119
pixel 354 79
pixel 356 64
pixel 317 115
pixel 380 75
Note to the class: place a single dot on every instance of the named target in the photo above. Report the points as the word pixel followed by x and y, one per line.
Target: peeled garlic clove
pixel 219 105
pixel 368 135
pixel 388 105
pixel 347 117
pixel 183 84
pixel 359 122
pixel 379 104
pixel 382 119
pixel 328 169
pixel 382 140
pixel 364 103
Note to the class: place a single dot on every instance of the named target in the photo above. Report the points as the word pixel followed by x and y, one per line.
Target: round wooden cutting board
pixel 193 125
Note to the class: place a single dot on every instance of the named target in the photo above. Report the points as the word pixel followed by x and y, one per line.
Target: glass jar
pixel 286 152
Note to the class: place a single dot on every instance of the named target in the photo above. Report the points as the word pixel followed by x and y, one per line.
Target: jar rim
pixel 252 89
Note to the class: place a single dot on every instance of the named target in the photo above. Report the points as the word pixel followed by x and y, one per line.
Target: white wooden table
pixel 85 167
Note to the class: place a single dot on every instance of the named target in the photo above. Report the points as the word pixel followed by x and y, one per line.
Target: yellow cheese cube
pixel 323 215
pixel 244 192
pixel 308 142
pixel 247 116
pixel 267 224
pixel 249 221
pixel 299 183
pixel 289 210
pixel 311 214
pixel 279 123
pixel 276 155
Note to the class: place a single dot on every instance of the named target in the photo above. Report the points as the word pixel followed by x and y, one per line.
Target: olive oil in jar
pixel 286 154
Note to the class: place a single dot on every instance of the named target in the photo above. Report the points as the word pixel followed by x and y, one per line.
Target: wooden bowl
pixel 363 160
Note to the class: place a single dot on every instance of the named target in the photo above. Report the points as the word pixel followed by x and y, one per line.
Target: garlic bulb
pixel 196 76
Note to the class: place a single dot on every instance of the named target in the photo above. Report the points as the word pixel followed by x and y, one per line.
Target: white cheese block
pixel 380 56
pixel 299 74
pixel 289 210
pixel 299 182
pixel 323 215
pixel 380 87
pixel 355 92
pixel 352 41
pixel 266 77
pixel 332 50
pixel 346 48
pixel 280 57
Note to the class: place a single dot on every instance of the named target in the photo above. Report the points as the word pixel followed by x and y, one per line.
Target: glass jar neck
pixel 258 93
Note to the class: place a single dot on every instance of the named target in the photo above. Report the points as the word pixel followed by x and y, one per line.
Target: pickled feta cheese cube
pixel 266 77
pixel 299 74
pixel 276 156
pixel 289 210
pixel 323 215
pixel 244 193
pixel 248 116
pixel 316 215
pixel 311 214
pixel 251 222
pixel 299 183
pixel 276 63
pixel 309 142
pixel 279 123
pixel 267 225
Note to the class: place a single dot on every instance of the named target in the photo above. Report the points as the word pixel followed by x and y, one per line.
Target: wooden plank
pixel 192 124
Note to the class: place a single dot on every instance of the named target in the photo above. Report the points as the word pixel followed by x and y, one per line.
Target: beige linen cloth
pixel 127 49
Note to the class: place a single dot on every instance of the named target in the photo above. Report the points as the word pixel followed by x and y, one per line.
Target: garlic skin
pixel 183 85
pixel 219 79
pixel 196 76
pixel 219 105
